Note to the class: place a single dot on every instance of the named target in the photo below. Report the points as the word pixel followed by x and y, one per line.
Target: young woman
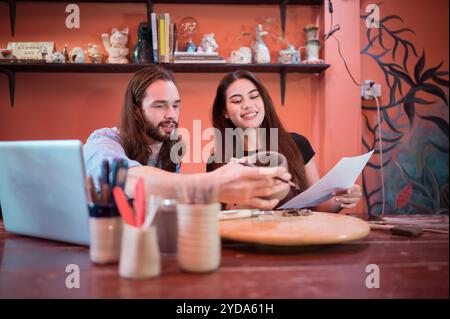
pixel 243 102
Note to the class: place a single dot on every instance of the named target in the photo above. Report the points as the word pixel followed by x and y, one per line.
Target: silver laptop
pixel 42 190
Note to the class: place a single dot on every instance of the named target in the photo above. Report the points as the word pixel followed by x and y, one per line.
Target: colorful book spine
pixel 167 37
pixel 175 39
pixel 154 25
pixel 171 43
pixel 162 45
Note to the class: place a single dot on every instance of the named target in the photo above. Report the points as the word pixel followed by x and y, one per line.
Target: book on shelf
pixel 167 37
pixel 218 61
pixel 208 58
pixel 171 44
pixel 154 25
pixel 161 36
pixel 195 54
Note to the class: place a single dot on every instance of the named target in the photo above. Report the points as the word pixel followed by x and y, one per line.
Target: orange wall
pixel 53 106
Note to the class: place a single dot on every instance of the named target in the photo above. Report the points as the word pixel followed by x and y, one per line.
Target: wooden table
pixel 409 268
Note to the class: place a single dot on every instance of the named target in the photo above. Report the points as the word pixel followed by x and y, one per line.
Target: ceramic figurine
pixel 261 52
pixel 65 52
pixel 6 54
pixel 94 53
pixel 289 56
pixel 141 52
pixel 311 32
pixel 116 46
pixel 312 48
pixel 241 56
pixel 312 45
pixel 57 57
pixel 77 55
pixel 209 43
pixel 44 53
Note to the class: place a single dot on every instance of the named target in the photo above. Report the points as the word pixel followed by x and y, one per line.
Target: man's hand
pixel 248 185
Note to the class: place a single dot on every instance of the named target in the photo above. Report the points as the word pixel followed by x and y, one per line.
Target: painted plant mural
pixel 414 120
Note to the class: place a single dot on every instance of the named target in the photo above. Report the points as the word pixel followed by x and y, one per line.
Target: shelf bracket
pixel 149 5
pixel 12 84
pixel 282 85
pixel 283 6
pixel 12 15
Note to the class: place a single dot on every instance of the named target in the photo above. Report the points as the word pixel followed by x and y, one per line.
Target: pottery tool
pixel 241 213
pixel 406 230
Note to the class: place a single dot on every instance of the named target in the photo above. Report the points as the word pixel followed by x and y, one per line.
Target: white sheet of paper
pixel 339 178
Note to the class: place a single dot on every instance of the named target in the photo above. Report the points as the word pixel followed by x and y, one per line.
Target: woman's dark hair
pixel 286 145
pixel 133 124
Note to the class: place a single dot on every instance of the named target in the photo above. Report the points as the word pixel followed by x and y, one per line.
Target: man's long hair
pixel 133 125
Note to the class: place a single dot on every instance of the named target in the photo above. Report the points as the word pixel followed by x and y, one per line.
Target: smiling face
pixel 160 106
pixel 244 104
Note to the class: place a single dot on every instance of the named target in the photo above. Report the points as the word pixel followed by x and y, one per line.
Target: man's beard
pixel 154 132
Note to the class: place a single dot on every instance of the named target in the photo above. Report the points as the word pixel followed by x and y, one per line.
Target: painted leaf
pixel 440 81
pixel 434 90
pixel 405 77
pixel 419 67
pixel 440 123
pixel 409 109
pixel 403 30
pixel 422 101
pixel 391 17
pixel 443 149
pixel 403 196
pixel 428 73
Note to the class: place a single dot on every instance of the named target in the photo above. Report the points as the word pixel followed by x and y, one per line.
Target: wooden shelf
pixel 179 67
pixel 10 69
pixel 255 2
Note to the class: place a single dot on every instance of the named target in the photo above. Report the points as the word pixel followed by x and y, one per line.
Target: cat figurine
pixel 116 46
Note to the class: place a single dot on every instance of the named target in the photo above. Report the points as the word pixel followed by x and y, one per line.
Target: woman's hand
pixel 247 185
pixel 350 198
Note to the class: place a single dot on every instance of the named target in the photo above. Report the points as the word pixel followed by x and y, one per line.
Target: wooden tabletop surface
pixel 409 268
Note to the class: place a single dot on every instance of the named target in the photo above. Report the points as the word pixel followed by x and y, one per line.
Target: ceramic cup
pixel 167 225
pixel 140 257
pixel 105 231
pixel 199 247
pixel 312 48
pixel 311 32
pixel 242 56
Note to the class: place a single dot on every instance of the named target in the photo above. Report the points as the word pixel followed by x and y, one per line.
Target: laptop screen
pixel 42 189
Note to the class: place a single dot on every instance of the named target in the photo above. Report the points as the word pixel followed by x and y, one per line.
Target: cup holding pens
pixel 105 229
pixel 140 257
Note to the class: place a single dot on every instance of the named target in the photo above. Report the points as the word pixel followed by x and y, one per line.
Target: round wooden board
pixel 315 229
